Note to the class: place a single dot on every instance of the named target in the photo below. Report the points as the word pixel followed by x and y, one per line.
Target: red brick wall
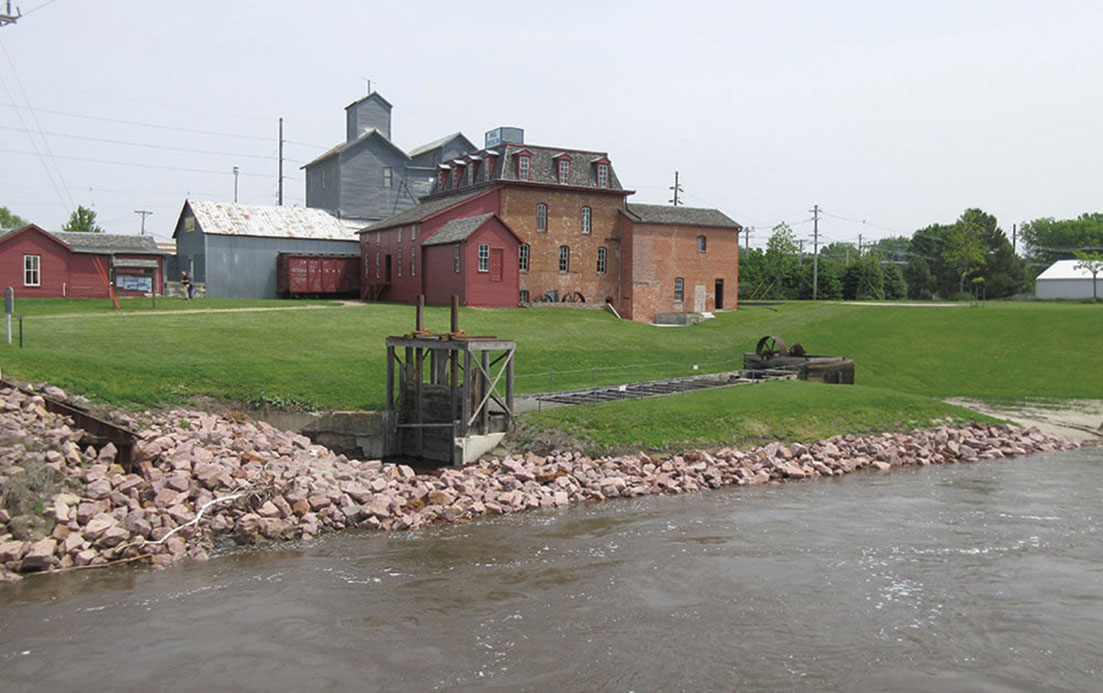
pixel 660 253
pixel 518 210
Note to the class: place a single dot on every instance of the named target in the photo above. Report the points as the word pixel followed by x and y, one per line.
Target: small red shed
pixel 36 262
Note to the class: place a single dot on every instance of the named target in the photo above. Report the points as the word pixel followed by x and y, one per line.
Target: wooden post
pixel 484 378
pixel 390 378
pixel 509 389
pixel 455 314
pixel 466 393
pixel 418 415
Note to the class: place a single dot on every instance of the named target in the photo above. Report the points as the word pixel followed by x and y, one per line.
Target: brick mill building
pixel 515 223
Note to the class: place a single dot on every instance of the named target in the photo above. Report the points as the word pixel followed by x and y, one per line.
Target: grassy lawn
pixel 744 416
pixel 34 307
pixel 334 357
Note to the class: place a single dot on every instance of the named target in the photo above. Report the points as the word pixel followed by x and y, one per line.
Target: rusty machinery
pixel 771 354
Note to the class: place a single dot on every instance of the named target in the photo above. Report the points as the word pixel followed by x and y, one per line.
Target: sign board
pixel 134 282
pixel 189 223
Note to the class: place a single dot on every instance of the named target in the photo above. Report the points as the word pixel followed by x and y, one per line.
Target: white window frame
pixel 484 257
pixel 587 221
pixel 32 270
pixel 523 257
pixel 524 296
pixel 541 217
pixel 603 175
pixel 679 289
pixel 602 255
pixel 702 244
pixel 522 168
pixel 388 177
pixel 564 258
pixel 456 259
pixel 413 232
pixel 413 262
pixel 564 172
pixel 399 263
pixel 378 262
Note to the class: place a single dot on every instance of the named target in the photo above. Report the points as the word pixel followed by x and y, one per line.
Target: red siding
pixel 62 272
pixel 440 265
pixel 484 288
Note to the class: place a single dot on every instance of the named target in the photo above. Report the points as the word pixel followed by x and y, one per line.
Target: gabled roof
pixel 378 97
pixel 269 221
pixel 423 211
pixel 681 216
pixel 416 151
pixel 370 133
pixel 457 230
pixel 108 242
pixel 94 243
pixel 1065 269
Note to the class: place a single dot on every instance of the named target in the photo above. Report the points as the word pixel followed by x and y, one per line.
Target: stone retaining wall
pixel 202 480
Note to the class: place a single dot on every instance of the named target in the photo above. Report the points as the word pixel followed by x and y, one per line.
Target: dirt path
pixel 1079 419
pixel 189 311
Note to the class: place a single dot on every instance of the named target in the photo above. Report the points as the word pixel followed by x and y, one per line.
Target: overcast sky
pixel 889 115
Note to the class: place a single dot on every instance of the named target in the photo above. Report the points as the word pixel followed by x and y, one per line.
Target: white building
pixel 1063 280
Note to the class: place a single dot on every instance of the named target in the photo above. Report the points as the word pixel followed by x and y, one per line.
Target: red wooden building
pixel 36 262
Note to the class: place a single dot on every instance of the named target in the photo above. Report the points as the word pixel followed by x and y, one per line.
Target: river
pixel 984 577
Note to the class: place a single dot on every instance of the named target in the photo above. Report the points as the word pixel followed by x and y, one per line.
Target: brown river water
pixel 983 577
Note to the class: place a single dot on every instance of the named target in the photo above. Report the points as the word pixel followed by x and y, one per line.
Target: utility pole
pixel 815 252
pixel 859 246
pixel 235 184
pixel 7 18
pixel 279 198
pixel 143 213
pixel 677 188
pixel 747 237
pixel 1014 237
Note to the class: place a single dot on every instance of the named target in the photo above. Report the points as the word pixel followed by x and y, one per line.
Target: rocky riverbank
pixel 201 480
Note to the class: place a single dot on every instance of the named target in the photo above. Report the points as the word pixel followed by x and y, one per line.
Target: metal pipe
pixel 420 312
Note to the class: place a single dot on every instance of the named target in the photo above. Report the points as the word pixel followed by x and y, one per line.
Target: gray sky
pixel 889 115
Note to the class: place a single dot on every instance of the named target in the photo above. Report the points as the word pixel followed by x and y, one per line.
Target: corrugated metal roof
pixel 107 243
pixel 457 230
pixel 682 216
pixel 269 221
pixel 1065 269
pixel 367 134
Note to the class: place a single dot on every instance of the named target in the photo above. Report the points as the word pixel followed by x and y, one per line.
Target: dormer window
pixel 603 175
pixel 472 172
pixel 562 168
pixel 522 168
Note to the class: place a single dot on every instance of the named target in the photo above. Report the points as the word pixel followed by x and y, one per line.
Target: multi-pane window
pixel 564 258
pixel 388 177
pixel 399 231
pixel 523 257
pixel 586 214
pixel 471 170
pixel 524 296
pixel 399 262
pixel 679 288
pixel 564 171
pixel 32 270
pixel 379 238
pixel 413 232
pixel 456 258
pixel 413 262
pixel 378 257
pixel 484 257
pixel 701 244
pixel 541 217
pixel 601 255
pixel 522 168
pixel 603 175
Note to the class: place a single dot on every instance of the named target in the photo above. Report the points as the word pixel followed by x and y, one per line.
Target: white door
pixel 699 299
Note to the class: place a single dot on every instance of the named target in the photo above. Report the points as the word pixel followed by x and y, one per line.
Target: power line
pixel 146 145
pixel 128 163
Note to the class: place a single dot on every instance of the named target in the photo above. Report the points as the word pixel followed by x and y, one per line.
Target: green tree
pixel 896 286
pixel 964 248
pixel 1093 263
pixel 782 262
pixel 841 253
pixel 920 281
pixel 9 220
pixel 1048 240
pixel 864 279
pixel 82 220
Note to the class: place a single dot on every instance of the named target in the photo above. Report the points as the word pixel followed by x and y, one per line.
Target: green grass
pixel 34 307
pixel 744 416
pixel 334 356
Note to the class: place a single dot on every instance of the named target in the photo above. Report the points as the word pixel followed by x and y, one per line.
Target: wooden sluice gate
pixel 450 395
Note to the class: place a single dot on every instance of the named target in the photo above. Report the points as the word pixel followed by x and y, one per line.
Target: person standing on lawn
pixel 185 281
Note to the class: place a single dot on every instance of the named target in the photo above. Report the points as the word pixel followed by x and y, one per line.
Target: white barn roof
pixel 231 219
pixel 1065 269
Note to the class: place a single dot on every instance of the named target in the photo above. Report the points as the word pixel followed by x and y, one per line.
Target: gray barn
pixel 368 177
pixel 230 249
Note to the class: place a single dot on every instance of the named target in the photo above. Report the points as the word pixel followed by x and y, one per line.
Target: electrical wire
pixel 128 163
pixel 151 146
